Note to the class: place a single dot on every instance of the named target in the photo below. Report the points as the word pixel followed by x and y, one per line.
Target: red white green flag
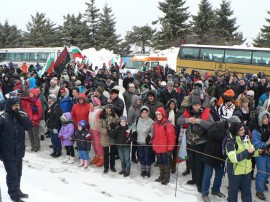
pixel 116 59
pixel 48 66
pixel 77 53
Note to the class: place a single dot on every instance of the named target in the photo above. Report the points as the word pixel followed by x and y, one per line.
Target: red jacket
pixel 33 107
pixel 163 139
pixel 80 112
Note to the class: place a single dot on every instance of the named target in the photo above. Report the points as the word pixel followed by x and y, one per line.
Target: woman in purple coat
pixel 67 132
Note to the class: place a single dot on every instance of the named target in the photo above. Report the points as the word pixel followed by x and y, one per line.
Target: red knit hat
pixel 96 101
pixel 229 93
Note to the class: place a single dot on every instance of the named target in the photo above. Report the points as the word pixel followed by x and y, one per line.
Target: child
pixel 82 135
pixel 66 132
pixel 123 139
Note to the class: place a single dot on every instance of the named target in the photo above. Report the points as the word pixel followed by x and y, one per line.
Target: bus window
pixel 33 57
pixel 212 54
pixel 238 56
pixel 154 64
pixel 18 57
pixel 26 57
pixel 42 57
pixel 2 57
pixel 11 56
pixel 260 58
pixel 189 53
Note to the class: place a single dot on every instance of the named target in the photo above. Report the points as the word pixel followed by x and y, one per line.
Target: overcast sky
pixel 250 14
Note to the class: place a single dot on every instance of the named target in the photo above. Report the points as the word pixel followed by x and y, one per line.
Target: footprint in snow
pixel 58 170
pixel 91 185
pixel 106 194
pixel 63 180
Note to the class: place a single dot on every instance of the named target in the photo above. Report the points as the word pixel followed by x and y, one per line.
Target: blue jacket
pixel 65 104
pixel 263 98
pixel 12 133
pixel 257 140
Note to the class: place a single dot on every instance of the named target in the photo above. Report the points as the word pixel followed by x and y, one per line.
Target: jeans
pixel 263 164
pixel 163 159
pixel 84 155
pixel 207 175
pixel 57 147
pixel 124 154
pixel 145 155
pixel 242 182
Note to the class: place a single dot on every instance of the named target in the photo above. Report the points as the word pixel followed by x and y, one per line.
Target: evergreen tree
pixel 41 32
pixel 140 36
pixel 173 24
pixel 75 31
pixel 10 36
pixel 203 24
pixel 107 37
pixel 92 16
pixel 226 25
pixel 263 38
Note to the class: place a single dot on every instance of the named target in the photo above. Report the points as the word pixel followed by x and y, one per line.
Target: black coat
pixel 53 115
pixel 216 134
pixel 121 136
pixel 118 106
pixel 82 143
pixel 12 134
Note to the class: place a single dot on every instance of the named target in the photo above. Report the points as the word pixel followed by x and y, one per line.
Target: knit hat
pixel 123 118
pixel 131 85
pixel 250 93
pixel 234 119
pixel 52 97
pixel 196 101
pixel 229 93
pixel 13 100
pixel 82 123
pixel 108 106
pixel 99 90
pixel 96 101
pixel 63 90
pixel 234 128
pixel 77 83
pixel 143 108
pixel 63 119
pixel 54 80
pixel 163 83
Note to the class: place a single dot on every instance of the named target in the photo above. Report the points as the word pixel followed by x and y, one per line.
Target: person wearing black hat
pixel 13 123
pixel 152 103
pixel 239 151
pixel 118 103
pixel 196 120
pixel 109 83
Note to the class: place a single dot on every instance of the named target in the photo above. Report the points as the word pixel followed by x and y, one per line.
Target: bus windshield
pixel 134 64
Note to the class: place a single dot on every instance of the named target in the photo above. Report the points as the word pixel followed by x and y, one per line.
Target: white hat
pixel 163 83
pixel 250 93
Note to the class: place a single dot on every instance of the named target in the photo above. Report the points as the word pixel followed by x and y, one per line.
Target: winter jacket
pixel 32 83
pixel 215 136
pixel 65 103
pixel 104 126
pixel 94 117
pixel 43 100
pixel 84 136
pixel 196 133
pixel 225 111
pixel 53 115
pixel 80 112
pixel 103 99
pixel 12 134
pixel 143 128
pixel 263 98
pixel 163 137
pixel 67 130
pixel 152 105
pixel 7 86
pixel 239 160
pixel 165 96
pixel 134 110
pixel 118 106
pixel 122 137
pixel 128 98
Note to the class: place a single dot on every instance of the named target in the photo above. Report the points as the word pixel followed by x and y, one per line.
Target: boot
pixel 86 162
pixel 161 175
pixel 143 173
pixel 167 174
pixel 186 172
pixel 17 200
pixel 81 163
pixel 71 160
pixel 147 174
pixel 66 159
pixel 261 195
pixel 57 154
pixel 100 162
pixel 23 195
pixel 94 161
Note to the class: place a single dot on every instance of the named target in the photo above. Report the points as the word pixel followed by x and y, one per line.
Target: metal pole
pixel 0 195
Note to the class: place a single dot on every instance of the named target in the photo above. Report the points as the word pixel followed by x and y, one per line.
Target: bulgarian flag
pixel 48 67
pixel 116 59
pixel 77 53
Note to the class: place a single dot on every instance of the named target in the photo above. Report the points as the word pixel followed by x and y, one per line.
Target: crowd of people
pixel 225 116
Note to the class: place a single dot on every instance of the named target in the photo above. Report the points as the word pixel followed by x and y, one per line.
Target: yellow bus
pixel 223 58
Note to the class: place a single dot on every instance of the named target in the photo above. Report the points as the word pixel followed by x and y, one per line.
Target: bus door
pixel 220 66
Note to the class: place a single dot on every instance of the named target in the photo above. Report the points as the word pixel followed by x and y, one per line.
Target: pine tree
pixel 263 38
pixel 41 32
pixel 10 36
pixel 226 25
pixel 140 36
pixel 203 24
pixel 92 15
pixel 173 24
pixel 75 31
pixel 107 37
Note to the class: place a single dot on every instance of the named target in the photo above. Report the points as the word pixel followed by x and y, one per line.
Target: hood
pixel 152 92
pixel 10 102
pixel 32 83
pixel 212 99
pixel 82 95
pixel 260 117
pixel 34 91
pixel 135 98
pixel 162 111
pixel 68 116
pixel 172 100
pixel 66 93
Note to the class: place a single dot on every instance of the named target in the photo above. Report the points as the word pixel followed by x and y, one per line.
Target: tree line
pixel 97 28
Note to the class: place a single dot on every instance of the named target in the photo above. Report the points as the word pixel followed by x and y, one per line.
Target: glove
pixel 55 131
pixel 62 138
pixel 112 126
pixel 134 136
pixel 148 139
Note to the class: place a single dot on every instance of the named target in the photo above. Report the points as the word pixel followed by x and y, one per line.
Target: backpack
pixel 224 144
pixel 253 118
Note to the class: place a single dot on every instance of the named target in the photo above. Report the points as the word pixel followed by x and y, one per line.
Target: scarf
pixel 171 117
